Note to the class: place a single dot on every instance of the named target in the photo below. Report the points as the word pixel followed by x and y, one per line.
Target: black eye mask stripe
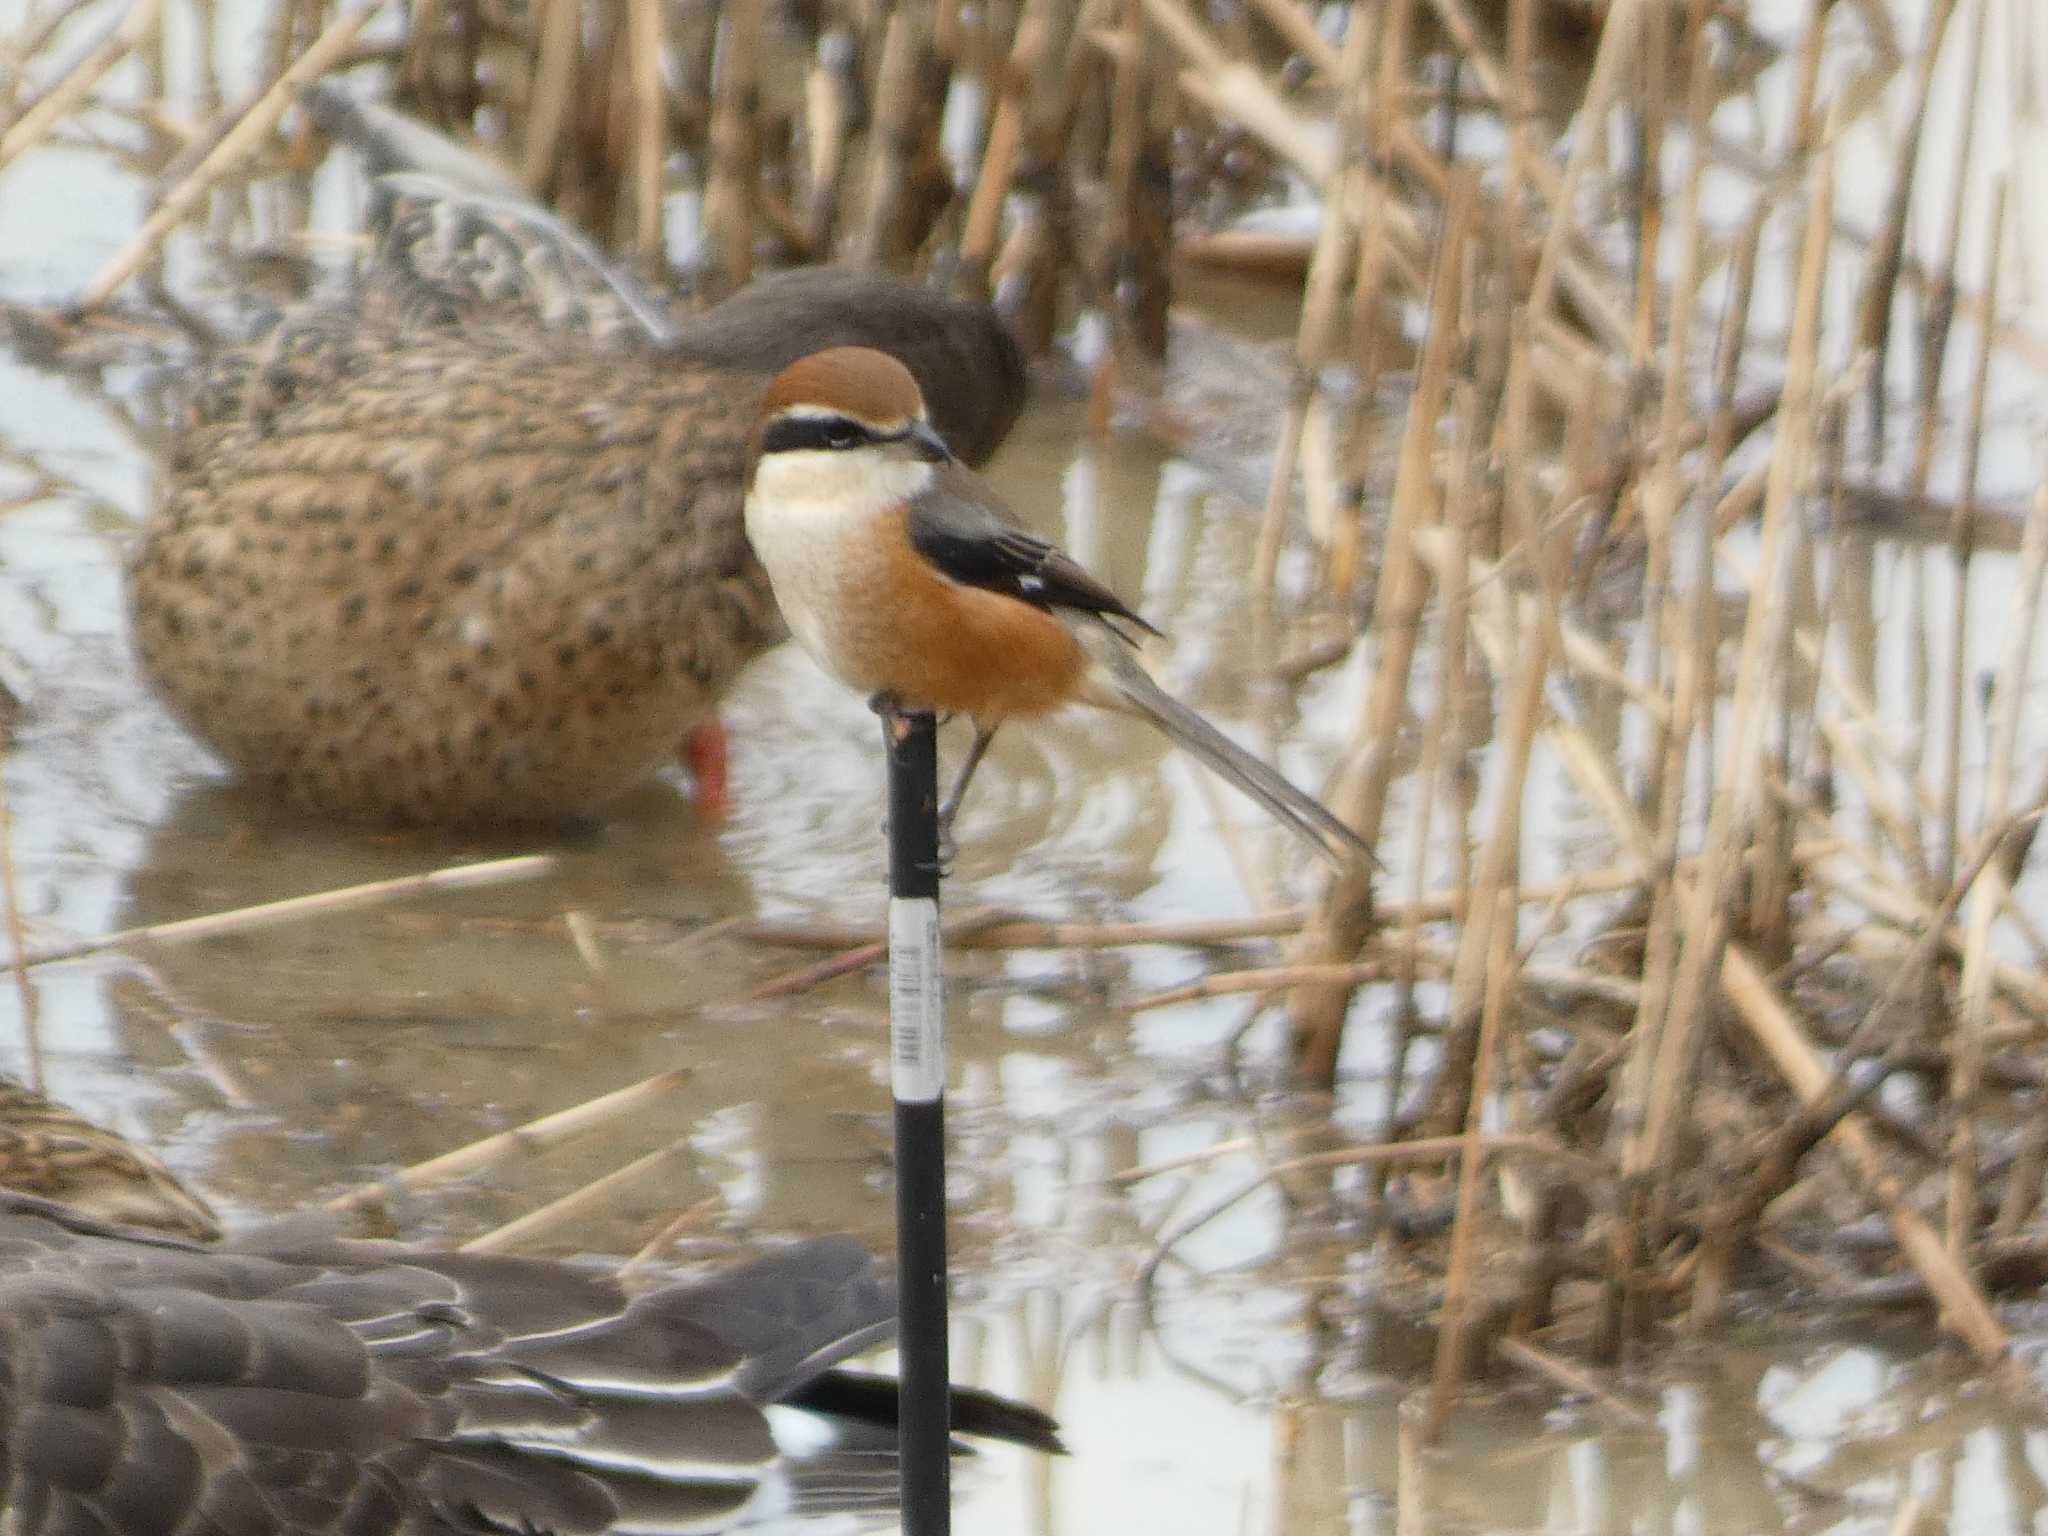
pixel 791 434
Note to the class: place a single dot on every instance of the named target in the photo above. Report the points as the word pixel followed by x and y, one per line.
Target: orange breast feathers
pixel 939 645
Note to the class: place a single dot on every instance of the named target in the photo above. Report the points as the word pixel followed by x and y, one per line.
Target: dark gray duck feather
pixel 152 1387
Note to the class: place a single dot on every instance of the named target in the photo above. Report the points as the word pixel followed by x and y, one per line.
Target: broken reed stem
pixel 1475 973
pixel 534 1136
pixel 1962 523
pixel 1776 1028
pixel 1575 1379
pixel 237 145
pixel 1733 1220
pixel 592 1196
pixel 1705 924
pixel 1345 915
pixel 1013 932
pixel 293 909
pixel 1990 892
pixel 67 92
pixel 1453 1340
pixel 1410 958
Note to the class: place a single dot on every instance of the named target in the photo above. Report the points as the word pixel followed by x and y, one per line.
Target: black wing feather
pixel 954 525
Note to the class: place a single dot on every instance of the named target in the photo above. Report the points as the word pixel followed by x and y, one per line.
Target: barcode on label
pixel 917 1001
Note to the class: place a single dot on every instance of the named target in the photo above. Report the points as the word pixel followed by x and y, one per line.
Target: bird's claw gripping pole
pixel 917 1075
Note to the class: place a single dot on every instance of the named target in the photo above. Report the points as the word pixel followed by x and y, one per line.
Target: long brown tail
pixel 1300 812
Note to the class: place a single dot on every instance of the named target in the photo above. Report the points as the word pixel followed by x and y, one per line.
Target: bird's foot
pixel 707 753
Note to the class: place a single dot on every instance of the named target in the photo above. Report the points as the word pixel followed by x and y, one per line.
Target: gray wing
pixel 957 527
pixel 151 1388
pixel 154 1387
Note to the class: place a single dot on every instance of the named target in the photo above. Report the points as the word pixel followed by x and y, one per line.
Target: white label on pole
pixel 917 1001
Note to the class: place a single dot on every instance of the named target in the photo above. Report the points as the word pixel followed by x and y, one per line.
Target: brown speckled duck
pixel 464 550
pixel 49 1152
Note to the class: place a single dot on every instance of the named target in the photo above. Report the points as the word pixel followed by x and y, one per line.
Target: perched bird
pixel 900 572
pixel 467 547
pixel 365 1389
pixel 48 1151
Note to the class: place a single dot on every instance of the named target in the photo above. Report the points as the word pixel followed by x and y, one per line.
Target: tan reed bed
pixel 1643 408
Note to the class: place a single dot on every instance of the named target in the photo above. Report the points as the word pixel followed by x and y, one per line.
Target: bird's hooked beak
pixel 926 444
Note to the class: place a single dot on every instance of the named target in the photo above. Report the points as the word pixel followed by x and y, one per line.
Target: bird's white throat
pixel 814 517
pixel 820 488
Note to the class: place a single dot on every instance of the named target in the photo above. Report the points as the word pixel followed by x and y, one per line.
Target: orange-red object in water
pixel 706 750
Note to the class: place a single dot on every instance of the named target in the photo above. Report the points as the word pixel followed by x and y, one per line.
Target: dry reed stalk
pixel 240 141
pixel 71 88
pixel 1777 1030
pixel 830 103
pixel 1472 1150
pixel 1993 887
pixel 1332 273
pixel 1662 496
pixel 959 927
pixel 1133 279
pixel 558 47
pixel 1590 766
pixel 1733 1220
pixel 535 1136
pixel 999 160
pixel 1570 1378
pixel 735 144
pixel 1445 719
pixel 1992 891
pixel 1280 484
pixel 1405 956
pixel 416 72
pixel 579 1202
pixel 1385 46
pixel 1872 888
pixel 1847 748
pixel 900 152
pixel 1299 32
pixel 1234 90
pixel 1869 728
pixel 1012 932
pixel 1454 1341
pixel 648 42
pixel 292 909
pixel 1962 530
pixel 1476 972
pixel 1250 252
pixel 1617 39
pixel 683 1222
pixel 1677 1044
pixel 1881 263
pixel 1693 645
pixel 30 39
pixel 1040 248
pixel 1344 916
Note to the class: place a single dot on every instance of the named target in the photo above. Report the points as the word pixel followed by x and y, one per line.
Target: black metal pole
pixel 917 1059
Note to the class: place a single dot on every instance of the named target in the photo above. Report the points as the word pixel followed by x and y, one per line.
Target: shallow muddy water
pixel 1263 1393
